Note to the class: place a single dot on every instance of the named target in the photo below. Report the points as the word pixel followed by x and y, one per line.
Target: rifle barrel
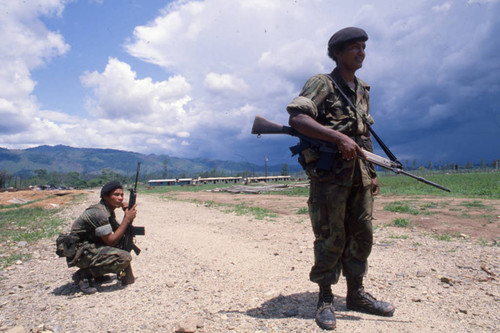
pixel 137 175
pixel 423 180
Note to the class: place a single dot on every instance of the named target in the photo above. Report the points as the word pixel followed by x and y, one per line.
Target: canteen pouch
pixel 66 245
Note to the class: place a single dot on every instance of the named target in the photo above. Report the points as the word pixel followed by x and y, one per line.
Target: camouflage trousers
pixel 102 259
pixel 341 218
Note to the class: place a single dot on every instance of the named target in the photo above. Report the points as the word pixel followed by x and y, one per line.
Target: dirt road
pixel 203 266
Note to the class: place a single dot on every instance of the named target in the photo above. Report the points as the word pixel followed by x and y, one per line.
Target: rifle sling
pixel 382 145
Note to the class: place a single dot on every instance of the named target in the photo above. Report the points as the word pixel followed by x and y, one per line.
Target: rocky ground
pixel 205 268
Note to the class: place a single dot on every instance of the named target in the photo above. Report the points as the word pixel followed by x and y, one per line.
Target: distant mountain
pixel 92 161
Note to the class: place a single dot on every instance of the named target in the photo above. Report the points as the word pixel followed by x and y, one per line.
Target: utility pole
pixel 265 167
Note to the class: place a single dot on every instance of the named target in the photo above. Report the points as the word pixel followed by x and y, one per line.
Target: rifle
pixel 328 150
pixel 127 242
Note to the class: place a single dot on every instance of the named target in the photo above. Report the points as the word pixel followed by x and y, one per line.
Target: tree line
pixel 54 179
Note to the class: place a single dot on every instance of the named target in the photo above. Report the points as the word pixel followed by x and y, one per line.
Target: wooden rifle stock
pixel 263 126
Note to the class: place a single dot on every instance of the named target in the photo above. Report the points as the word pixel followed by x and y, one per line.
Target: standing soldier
pixel 98 234
pixel 341 199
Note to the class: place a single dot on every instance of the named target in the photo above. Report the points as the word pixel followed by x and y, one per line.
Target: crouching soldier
pixel 97 235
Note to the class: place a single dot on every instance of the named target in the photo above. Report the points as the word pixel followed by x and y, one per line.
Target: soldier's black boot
pixel 325 313
pixel 102 278
pixel 359 300
pixel 83 279
pixel 127 276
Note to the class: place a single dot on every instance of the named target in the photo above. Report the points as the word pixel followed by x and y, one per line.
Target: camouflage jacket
pixel 95 222
pixel 321 100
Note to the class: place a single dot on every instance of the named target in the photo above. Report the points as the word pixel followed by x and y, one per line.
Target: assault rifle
pixel 327 151
pixel 127 242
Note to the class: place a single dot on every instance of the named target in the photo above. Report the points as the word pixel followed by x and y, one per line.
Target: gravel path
pixel 214 271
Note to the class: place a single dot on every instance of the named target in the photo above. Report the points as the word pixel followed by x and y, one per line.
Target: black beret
pixel 345 35
pixel 109 187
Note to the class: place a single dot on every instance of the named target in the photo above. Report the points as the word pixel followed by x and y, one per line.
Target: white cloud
pixel 119 94
pixel 442 8
pixel 183 134
pixel 225 82
pixel 219 36
pixel 472 2
pixel 25 44
pixel 153 115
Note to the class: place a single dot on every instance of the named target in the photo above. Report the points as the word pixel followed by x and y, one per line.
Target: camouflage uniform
pixel 91 252
pixel 340 200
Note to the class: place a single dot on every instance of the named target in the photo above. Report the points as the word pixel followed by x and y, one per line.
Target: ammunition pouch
pixel 322 155
pixel 66 245
pixel 310 155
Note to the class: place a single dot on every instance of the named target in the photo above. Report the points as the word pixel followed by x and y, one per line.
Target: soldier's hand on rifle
pixel 349 148
pixel 130 214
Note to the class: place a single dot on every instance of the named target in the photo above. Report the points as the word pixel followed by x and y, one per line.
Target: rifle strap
pixel 382 145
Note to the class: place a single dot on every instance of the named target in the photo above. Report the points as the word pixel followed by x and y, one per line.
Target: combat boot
pixel 325 313
pixel 102 278
pixel 127 276
pixel 359 300
pixel 83 279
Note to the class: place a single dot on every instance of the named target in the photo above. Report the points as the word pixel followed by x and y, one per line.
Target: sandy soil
pixel 203 266
pixel 35 198
pixel 479 219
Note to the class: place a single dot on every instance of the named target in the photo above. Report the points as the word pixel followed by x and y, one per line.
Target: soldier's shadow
pixel 300 305
pixel 71 289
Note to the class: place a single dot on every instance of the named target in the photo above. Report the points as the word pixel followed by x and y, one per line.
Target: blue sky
pixel 186 78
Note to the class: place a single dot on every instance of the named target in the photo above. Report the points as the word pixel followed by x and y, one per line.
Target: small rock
pixel 270 293
pixel 421 274
pixel 170 283
pixel 16 329
pixel 187 325
pixel 22 244
pixel 447 280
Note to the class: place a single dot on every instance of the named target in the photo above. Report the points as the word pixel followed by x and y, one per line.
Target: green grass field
pixel 484 185
pixel 28 225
